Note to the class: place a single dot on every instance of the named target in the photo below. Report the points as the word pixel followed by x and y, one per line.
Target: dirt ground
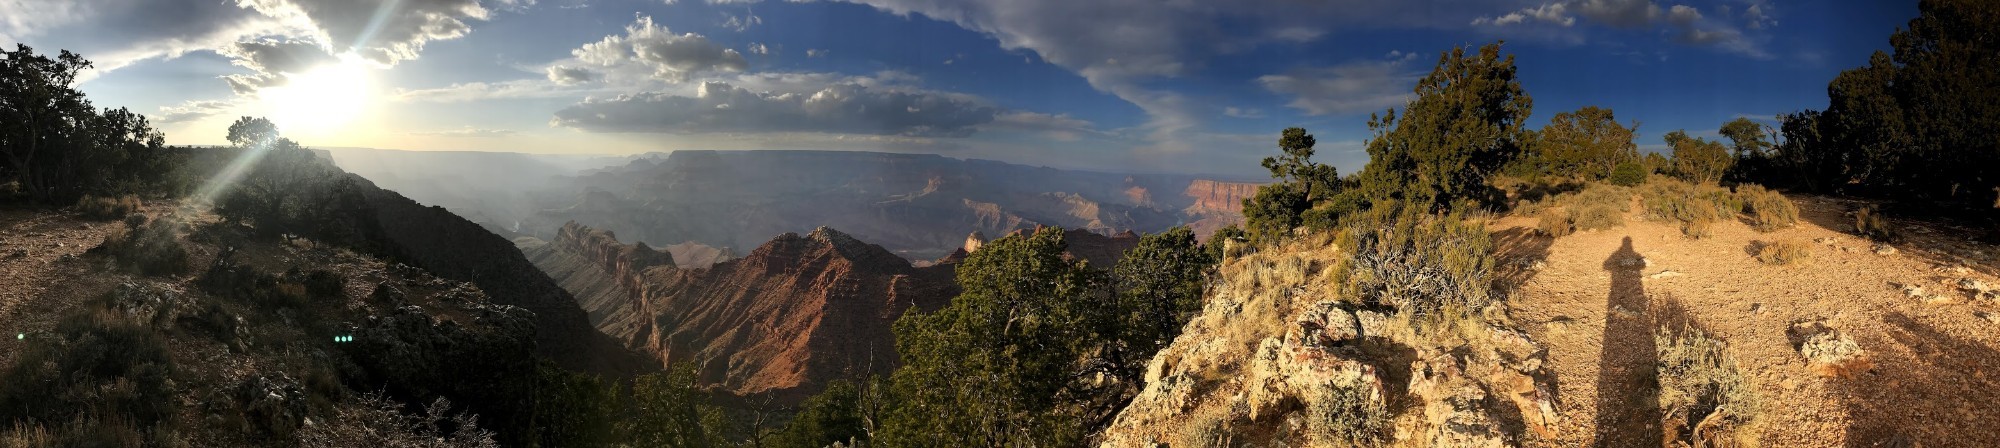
pixel 1934 363
pixel 36 280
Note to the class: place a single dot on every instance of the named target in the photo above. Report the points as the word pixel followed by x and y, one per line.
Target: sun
pixel 322 100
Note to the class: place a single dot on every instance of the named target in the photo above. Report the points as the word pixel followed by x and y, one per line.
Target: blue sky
pixel 1193 86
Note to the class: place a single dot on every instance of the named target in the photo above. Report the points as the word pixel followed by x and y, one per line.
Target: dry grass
pixel 1208 427
pixel 1694 206
pixel 1768 210
pixel 1555 222
pixel 103 208
pixel 1784 252
pixel 1705 400
pixel 1347 415
pixel 1869 222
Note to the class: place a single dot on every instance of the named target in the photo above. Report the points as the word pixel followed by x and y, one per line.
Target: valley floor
pixel 1934 362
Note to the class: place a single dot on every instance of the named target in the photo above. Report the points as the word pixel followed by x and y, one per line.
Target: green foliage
pixel 670 410
pixel 1704 397
pixel 1159 286
pixel 995 367
pixel 1629 174
pixel 1913 123
pixel 1869 222
pixel 1464 125
pixel 1279 207
pixel 1784 252
pixel 56 147
pixel 1768 210
pixel 1221 239
pixel 1588 143
pixel 576 409
pixel 1748 138
pixel 1698 160
pixel 1419 262
pixel 834 415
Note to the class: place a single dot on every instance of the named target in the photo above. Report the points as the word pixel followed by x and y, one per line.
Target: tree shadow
pixel 1928 388
pixel 1518 249
pixel 1933 239
pixel 1627 376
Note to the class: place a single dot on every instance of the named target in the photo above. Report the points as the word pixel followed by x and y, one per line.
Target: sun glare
pixel 321 100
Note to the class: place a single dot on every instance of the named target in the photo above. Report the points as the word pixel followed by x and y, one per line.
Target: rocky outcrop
pixel 1217 197
pixel 780 321
pixel 1277 359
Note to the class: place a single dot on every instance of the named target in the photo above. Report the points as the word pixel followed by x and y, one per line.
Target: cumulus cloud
pixel 117 33
pixel 815 52
pixel 384 31
pixel 566 75
pixel 192 110
pixel 758 48
pixel 670 56
pixel 270 61
pixel 1555 13
pixel 843 108
pixel 1354 87
pixel 741 23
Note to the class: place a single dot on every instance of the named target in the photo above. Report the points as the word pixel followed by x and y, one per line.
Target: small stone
pixel 1913 291
pixel 1664 274
pixel 1884 249
pixel 1973 285
pixel 1756 307
pixel 1826 240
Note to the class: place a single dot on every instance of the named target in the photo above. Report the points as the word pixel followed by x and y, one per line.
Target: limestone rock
pixel 1828 352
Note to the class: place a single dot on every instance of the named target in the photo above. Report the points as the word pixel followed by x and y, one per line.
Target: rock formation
pixel 780 321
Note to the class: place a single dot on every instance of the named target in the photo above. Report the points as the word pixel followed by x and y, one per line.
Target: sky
pixel 1180 86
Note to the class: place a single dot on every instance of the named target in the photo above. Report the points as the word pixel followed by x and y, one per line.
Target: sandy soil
pixel 1933 381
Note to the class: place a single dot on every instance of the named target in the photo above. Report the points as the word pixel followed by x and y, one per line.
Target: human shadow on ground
pixel 1627 378
pixel 1927 388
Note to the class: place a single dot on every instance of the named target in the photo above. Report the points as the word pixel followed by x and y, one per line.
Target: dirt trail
pixel 35 280
pixel 1933 380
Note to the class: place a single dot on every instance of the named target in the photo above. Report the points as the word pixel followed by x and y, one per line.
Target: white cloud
pixel 384 31
pixel 741 23
pixel 841 108
pixel 477 91
pixel 1242 112
pixel 566 75
pixel 1555 13
pixel 271 61
pixel 468 132
pixel 1685 23
pixel 758 48
pixel 192 110
pixel 1354 87
pixel 670 56
pixel 815 52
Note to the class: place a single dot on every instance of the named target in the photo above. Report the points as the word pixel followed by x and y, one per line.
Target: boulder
pixel 1827 351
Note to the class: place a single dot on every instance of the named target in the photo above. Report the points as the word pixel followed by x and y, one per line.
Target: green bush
pixel 105 208
pixel 834 415
pixel 1768 210
pixel 1704 399
pixel 1869 222
pixel 1784 252
pixel 1628 174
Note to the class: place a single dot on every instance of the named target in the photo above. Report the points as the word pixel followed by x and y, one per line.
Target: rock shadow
pixel 1627 379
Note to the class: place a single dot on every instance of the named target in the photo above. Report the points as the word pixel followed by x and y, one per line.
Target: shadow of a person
pixel 1627 415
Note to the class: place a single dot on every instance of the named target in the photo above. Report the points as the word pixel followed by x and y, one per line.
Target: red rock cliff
pixel 1218 198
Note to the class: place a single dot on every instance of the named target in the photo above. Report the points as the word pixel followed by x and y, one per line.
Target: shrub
pixel 1207 428
pixel 227 278
pixel 1352 414
pixel 1628 174
pixel 1555 222
pixel 104 208
pixel 1695 207
pixel 1419 262
pixel 375 421
pixel 96 367
pixel 148 250
pixel 1784 252
pixel 834 415
pixel 1869 222
pixel 1704 398
pixel 1768 210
